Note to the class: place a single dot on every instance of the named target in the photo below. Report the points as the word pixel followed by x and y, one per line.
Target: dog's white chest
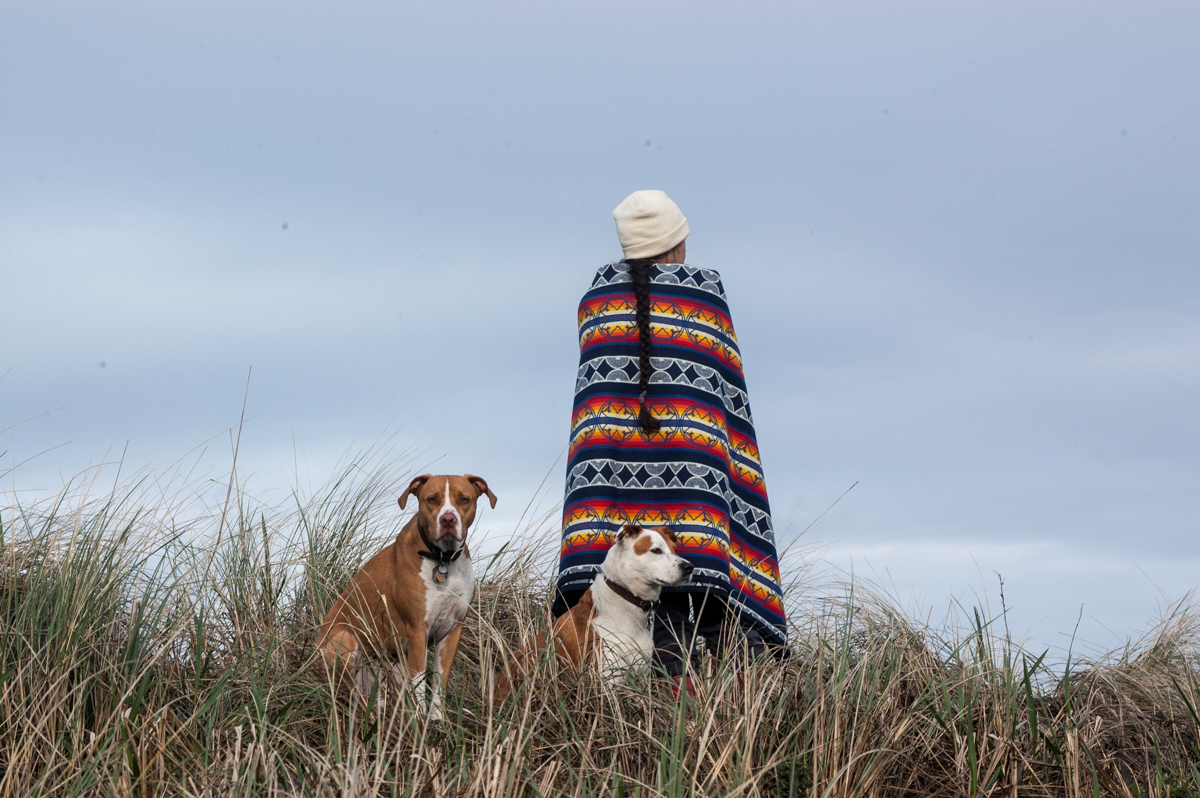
pixel 627 646
pixel 446 602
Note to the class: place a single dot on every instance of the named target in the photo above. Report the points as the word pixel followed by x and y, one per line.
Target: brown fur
pixel 642 545
pixel 382 612
pixel 576 644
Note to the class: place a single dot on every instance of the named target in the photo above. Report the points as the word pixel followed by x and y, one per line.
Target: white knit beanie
pixel 649 224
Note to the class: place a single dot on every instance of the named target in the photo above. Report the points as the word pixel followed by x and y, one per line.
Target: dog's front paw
pixel 435 705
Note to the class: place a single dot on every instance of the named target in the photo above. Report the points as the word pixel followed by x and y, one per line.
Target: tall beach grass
pixel 150 648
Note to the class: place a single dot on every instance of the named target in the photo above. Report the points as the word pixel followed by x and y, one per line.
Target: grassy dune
pixel 144 654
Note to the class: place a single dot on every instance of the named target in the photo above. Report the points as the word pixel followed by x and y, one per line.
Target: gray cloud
pixel 981 305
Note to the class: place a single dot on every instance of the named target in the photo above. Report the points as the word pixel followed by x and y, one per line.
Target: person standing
pixel 661 435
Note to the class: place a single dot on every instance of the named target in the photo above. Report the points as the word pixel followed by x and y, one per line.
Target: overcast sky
pixel 960 243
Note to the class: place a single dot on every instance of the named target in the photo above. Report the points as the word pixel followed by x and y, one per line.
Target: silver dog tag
pixel 440 573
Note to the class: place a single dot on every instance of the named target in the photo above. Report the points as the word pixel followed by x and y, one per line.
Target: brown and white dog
pixel 413 594
pixel 610 626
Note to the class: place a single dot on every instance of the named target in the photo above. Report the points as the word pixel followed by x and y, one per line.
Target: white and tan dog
pixel 412 595
pixel 610 626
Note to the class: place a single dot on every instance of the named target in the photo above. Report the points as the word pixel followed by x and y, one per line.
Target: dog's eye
pixel 656 551
pixel 463 500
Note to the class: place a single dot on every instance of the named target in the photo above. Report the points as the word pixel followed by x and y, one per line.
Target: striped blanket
pixel 699 475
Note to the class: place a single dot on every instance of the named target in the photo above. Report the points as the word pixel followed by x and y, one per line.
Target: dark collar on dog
pixel 631 597
pixel 434 552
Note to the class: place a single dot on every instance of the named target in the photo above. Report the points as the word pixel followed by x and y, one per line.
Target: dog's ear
pixel 481 488
pixel 413 487
pixel 628 531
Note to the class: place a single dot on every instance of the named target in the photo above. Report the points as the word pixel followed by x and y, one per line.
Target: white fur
pixel 446 604
pixel 624 627
pixel 448 507
pixel 445 607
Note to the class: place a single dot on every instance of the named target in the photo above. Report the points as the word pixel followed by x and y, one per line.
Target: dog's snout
pixel 686 568
pixel 448 519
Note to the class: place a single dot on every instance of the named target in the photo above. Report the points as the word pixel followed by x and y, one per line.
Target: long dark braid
pixel 639 273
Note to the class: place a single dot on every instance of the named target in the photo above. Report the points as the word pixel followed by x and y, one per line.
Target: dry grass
pixel 143 656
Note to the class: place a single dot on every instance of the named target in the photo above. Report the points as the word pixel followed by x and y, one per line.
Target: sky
pixel 959 240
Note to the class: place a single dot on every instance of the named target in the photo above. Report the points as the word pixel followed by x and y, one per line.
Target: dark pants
pixel 682 620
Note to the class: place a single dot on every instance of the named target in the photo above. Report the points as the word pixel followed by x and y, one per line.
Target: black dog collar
pixel 645 604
